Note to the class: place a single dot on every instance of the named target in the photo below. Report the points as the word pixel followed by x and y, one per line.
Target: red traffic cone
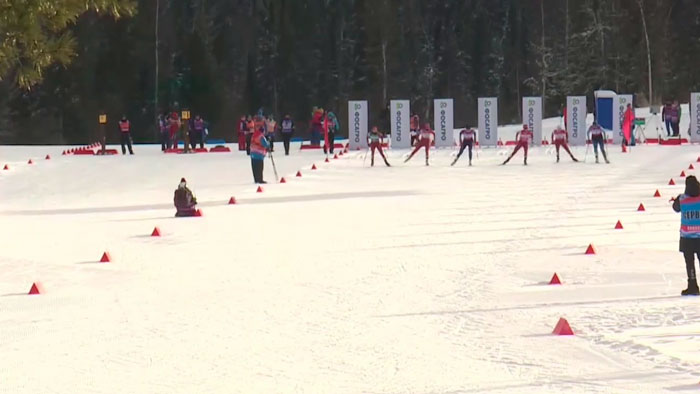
pixel 618 226
pixel 691 166
pixel 682 174
pixel 591 249
pixel 198 213
pixel 30 162
pixel 106 258
pixel 327 161
pixel 156 232
pixel 260 189
pixel 313 167
pixel 555 280
pixel 563 328
pixel 298 174
pixel 641 208
pixel 36 289
pixel 657 194
pixel 698 159
pixel 64 153
pixel 232 201
pixel 48 157
pixel 283 180
pixel 671 182
pixel 335 157
pixel 6 167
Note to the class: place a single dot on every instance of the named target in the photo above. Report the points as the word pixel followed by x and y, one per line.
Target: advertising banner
pixel 444 122
pixel 400 124
pixel 357 124
pixel 488 121
pixel 576 112
pixel 532 117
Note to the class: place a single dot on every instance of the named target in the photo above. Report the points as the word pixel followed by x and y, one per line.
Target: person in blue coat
pixel 688 204
pixel 258 150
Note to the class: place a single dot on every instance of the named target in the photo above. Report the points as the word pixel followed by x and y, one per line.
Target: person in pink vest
pixel 425 140
pixel 125 132
pixel 560 138
pixel 375 139
pixel 524 138
pixel 467 139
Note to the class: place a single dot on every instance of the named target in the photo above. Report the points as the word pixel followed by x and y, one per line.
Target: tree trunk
pixel 544 57
pixel 646 38
pixel 384 74
pixel 157 77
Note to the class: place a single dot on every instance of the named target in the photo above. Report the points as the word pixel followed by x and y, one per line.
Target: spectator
pixel 287 130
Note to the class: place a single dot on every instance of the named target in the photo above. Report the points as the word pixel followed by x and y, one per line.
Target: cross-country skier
pixel 258 151
pixel 597 136
pixel 560 138
pixel 688 204
pixel 375 140
pixel 467 138
pixel 524 137
pixel 415 129
pixel 425 140
pixel 184 199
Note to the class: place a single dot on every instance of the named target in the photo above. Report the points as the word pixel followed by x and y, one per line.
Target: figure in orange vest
pixel 375 139
pixel 249 134
pixel 425 139
pixel 125 131
pixel 524 138
pixel 560 138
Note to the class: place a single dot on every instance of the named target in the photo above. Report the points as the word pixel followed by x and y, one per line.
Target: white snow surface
pixel 351 279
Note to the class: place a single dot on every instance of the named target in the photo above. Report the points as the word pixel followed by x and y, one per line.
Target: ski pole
pixel 274 167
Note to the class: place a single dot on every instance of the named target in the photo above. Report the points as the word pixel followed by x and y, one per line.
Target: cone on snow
pixel 555 280
pixel 64 153
pixel 327 161
pixel 198 213
pixel 313 167
pixel 657 194
pixel 6 167
pixel 641 208
pixel 618 226
pixel 691 166
pixel 30 161
pixel 335 157
pixel 48 157
pixel 682 174
pixel 671 182
pixel 298 174
pixel 232 201
pixel 36 289
pixel 341 153
pixel 106 258
pixel 156 232
pixel 591 249
pixel 698 159
pixel 283 180
pixel 260 189
pixel 563 328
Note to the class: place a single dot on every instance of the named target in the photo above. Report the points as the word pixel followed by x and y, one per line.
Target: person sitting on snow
pixel 185 201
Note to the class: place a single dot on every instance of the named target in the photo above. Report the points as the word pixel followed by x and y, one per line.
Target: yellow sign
pixel 185 115
pixel 103 119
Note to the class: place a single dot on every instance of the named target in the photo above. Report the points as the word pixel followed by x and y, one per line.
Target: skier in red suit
pixel 524 137
pixel 560 138
pixel 425 139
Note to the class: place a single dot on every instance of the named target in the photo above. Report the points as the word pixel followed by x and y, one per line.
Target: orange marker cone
pixel 657 194
pixel 232 201
pixel 260 189
pixel 671 182
pixel 36 289
pixel 563 328
pixel 106 258
pixel 641 208
pixel 555 280
pixel 618 226
pixel 156 232
pixel 591 249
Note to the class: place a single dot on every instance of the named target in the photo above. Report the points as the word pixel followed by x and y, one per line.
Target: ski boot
pixel 692 289
pixel 596 159
pixel 454 162
pixel 574 159
pixel 427 163
pixel 372 163
pixel 470 163
pixel 387 163
pixel 407 159
pixel 525 161
pixel 606 160
pixel 557 158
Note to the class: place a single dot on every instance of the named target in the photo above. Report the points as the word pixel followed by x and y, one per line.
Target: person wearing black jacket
pixel 287 130
pixel 688 204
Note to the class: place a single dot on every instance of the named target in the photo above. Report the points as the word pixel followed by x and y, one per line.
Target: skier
pixel 688 204
pixel 125 131
pixel 258 151
pixel 467 138
pixel 523 137
pixel 597 137
pixel 185 201
pixel 164 136
pixel 287 130
pixel 425 140
pixel 375 140
pixel 415 129
pixel 560 138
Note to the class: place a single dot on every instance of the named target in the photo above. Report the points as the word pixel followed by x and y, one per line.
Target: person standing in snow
pixel 688 204
pixel 287 130
pixel 467 138
pixel 628 126
pixel 270 128
pixel 174 125
pixel 375 140
pixel 185 201
pixel 249 134
pixel 560 138
pixel 676 118
pixel 125 132
pixel 242 131
pixel 258 150
pixel 415 129
pixel 164 135
pixel 597 137
pixel 425 140
pixel 197 132
pixel 524 137
pixel 666 115
pixel 333 129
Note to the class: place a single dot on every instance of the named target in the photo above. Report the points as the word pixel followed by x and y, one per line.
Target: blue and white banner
pixel 695 117
pixel 357 124
pixel 619 113
pixel 488 121
pixel 400 124
pixel 532 117
pixel 576 112
pixel 444 123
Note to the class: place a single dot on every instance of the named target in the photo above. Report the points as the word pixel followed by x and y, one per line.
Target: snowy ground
pixel 348 280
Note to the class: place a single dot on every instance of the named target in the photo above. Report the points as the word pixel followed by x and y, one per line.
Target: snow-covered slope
pixel 351 279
